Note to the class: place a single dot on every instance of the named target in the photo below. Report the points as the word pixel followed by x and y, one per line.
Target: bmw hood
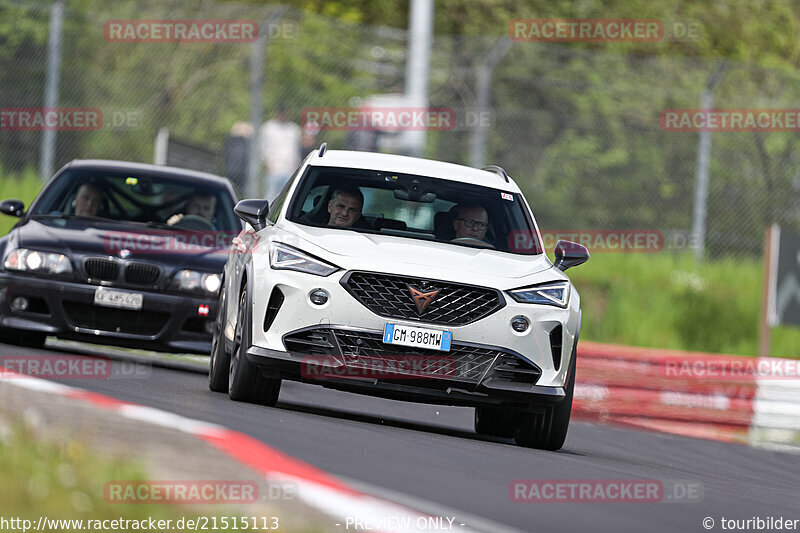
pixel 77 237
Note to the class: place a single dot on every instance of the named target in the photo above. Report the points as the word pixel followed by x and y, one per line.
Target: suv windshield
pixel 416 207
pixel 133 197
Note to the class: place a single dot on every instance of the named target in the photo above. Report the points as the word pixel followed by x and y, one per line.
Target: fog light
pixel 209 327
pixel 318 297
pixel 519 323
pixel 20 303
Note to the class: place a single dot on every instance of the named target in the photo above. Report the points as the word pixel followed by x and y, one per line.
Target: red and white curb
pixel 316 488
pixel 691 393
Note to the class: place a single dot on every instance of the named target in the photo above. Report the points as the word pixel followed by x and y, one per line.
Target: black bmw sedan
pixel 118 253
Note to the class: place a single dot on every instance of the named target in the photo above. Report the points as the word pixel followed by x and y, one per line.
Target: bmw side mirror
pixel 12 208
pixel 569 254
pixel 254 212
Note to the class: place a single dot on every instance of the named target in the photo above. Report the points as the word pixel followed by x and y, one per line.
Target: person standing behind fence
pixel 308 142
pixel 237 155
pixel 280 149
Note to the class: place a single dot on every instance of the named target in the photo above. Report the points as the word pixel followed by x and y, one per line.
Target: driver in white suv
pixel 345 207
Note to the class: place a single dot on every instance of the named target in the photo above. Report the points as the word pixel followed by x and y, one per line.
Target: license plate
pixel 120 299
pixel 432 339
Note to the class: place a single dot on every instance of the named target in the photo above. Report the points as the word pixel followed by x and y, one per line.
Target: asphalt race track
pixel 432 455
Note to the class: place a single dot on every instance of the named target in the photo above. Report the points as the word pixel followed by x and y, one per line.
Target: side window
pixel 313 198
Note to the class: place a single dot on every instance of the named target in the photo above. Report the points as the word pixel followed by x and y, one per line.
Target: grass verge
pixel 65 480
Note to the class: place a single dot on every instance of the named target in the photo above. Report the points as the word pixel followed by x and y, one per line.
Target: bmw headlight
pixel 283 257
pixel 556 293
pixel 194 281
pixel 38 262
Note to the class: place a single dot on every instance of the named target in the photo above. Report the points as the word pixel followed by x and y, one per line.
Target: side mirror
pixel 12 208
pixel 254 212
pixel 569 254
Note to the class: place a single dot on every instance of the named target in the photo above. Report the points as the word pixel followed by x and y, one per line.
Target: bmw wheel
pixel 220 359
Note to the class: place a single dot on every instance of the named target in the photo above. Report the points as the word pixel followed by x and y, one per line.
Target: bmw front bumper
pixel 166 322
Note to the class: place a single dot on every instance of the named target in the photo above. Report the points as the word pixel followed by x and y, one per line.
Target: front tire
pixel 245 384
pixel 220 359
pixel 548 430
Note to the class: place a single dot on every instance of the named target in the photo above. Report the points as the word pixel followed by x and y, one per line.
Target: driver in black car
pixel 199 205
pixel 88 200
pixel 470 221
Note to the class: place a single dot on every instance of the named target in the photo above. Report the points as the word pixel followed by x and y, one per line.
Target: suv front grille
pixel 390 296
pixel 102 269
pixel 141 273
pixel 366 350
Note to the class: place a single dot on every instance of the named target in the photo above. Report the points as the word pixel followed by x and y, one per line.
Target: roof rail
pixel 499 171
pixel 322 148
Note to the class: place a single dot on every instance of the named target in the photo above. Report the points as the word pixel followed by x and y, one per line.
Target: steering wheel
pixel 473 241
pixel 194 222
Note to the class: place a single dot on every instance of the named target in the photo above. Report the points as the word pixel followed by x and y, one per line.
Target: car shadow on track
pixel 398 423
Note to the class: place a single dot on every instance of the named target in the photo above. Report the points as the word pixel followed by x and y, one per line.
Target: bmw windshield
pixel 131 197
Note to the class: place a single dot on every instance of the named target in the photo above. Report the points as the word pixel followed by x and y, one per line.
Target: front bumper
pixel 547 344
pixel 354 359
pixel 166 322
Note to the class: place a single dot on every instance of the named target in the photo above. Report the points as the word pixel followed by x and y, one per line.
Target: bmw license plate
pixel 119 299
pixel 432 339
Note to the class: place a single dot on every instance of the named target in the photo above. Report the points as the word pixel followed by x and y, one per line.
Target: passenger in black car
pixel 200 205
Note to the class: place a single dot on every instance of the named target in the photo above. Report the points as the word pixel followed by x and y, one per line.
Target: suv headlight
pixel 194 281
pixel 37 262
pixel 556 293
pixel 284 257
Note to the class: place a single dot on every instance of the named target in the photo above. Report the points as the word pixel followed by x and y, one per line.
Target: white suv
pixel 404 278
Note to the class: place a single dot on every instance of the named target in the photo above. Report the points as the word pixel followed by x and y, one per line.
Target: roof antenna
pixel 322 148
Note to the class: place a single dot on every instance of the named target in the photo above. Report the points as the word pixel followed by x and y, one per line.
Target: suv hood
pixel 403 250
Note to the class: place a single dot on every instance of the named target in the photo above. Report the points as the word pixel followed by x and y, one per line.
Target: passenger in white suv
pixel 471 221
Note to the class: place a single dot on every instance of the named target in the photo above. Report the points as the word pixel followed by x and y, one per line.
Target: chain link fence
pixel 578 128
